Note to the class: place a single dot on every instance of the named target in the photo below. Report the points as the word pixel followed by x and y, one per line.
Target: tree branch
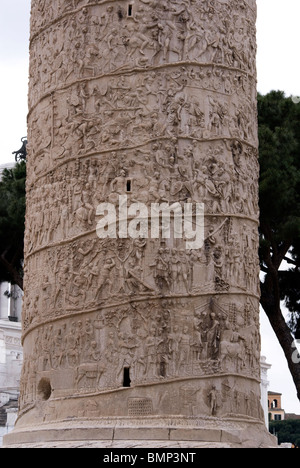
pixel 13 272
pixel 286 340
pixel 283 250
pixel 290 261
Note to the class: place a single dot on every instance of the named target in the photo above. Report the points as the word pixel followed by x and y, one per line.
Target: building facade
pixel 276 412
pixel 11 355
pixel 265 367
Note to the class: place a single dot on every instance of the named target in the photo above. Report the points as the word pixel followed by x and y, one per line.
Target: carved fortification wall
pixel 155 100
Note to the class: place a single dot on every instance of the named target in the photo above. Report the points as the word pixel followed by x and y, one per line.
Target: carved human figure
pixel 213 399
pixel 105 277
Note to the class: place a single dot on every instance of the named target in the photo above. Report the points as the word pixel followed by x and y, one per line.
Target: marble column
pixel 140 336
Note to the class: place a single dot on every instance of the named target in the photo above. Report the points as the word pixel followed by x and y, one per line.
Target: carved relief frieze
pixel 140 35
pixel 152 102
pixel 156 340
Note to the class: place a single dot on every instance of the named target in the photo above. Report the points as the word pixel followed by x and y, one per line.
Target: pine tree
pixel 279 138
pixel 12 224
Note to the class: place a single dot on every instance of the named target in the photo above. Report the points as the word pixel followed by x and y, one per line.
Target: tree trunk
pixel 271 305
pixel 16 278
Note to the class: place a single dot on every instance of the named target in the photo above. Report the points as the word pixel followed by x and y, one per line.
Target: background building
pixel 265 367
pixel 11 355
pixel 292 416
pixel 276 412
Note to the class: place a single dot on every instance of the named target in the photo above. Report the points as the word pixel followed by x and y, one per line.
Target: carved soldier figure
pixel 105 277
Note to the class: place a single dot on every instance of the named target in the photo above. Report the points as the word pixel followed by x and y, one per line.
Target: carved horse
pixel 89 372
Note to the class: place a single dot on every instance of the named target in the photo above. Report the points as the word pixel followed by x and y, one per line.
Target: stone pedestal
pixel 147 335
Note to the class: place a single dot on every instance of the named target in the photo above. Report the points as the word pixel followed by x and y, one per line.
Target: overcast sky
pixel 278 61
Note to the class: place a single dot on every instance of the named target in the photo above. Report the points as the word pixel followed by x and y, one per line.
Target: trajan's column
pixel 141 338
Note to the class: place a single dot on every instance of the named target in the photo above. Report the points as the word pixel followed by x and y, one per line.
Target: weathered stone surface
pixel 145 102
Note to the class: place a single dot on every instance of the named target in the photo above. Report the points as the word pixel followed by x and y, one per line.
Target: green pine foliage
pixel 12 223
pixel 287 431
pixel 279 138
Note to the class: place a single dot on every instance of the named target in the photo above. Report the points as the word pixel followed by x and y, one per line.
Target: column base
pixel 92 434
